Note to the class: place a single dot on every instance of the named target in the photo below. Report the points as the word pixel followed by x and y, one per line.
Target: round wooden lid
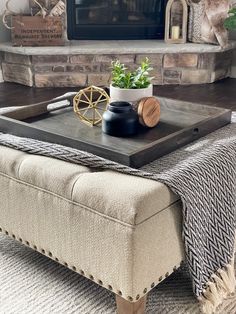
pixel 149 111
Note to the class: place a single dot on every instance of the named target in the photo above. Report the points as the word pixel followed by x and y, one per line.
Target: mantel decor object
pixel 90 104
pixel 176 22
pixel 45 28
pixel 206 21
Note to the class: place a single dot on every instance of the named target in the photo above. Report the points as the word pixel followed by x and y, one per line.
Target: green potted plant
pixel 128 85
pixel 230 22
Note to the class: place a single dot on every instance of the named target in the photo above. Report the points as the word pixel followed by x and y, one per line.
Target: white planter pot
pixel 130 95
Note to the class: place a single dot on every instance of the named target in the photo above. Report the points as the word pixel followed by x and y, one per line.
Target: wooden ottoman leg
pixel 126 307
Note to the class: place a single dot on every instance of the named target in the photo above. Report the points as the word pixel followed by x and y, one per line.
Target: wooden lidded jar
pixel 149 111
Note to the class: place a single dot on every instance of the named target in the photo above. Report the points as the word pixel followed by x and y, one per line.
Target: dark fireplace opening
pixel 115 19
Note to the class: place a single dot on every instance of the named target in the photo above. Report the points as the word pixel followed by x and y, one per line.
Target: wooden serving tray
pixel 180 123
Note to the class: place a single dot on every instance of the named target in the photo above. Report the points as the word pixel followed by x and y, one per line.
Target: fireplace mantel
pixel 117 47
pixel 82 63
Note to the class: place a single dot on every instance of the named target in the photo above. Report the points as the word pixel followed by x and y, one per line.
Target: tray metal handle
pixel 31 111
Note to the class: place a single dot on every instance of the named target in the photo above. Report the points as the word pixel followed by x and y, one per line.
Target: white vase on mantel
pixel 130 95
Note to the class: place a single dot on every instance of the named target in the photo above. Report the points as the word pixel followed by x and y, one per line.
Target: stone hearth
pixel 83 63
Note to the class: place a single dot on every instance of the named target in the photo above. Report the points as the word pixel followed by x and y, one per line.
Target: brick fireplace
pixel 86 62
pixel 82 63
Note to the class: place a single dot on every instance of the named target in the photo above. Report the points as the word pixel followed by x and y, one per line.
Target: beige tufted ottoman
pixel 121 231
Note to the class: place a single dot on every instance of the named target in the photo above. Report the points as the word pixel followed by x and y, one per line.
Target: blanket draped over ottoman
pixel 203 174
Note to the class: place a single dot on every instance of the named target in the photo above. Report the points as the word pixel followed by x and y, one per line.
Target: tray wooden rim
pixel 24 129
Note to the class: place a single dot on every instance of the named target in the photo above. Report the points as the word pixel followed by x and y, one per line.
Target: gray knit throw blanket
pixel 203 174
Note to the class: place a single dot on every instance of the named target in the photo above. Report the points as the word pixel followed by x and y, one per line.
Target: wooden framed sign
pixel 37 31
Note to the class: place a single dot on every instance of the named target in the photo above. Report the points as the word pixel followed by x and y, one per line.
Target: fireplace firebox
pixel 115 19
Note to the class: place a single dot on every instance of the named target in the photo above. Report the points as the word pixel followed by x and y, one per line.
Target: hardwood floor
pixel 221 93
pixel 12 94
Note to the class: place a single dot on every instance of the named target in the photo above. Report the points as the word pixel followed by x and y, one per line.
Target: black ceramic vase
pixel 120 119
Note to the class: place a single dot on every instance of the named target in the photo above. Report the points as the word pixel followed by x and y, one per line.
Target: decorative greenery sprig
pixel 230 22
pixel 122 78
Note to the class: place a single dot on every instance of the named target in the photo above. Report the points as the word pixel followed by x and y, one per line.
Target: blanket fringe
pixel 221 285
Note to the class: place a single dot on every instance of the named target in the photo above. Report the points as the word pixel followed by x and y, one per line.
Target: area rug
pixel 31 283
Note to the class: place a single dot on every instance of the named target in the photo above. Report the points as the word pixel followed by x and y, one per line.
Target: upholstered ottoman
pixel 121 231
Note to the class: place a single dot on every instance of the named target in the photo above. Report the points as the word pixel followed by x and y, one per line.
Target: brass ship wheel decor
pixel 90 103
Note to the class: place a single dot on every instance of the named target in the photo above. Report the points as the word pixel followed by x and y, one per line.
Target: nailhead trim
pixel 129 298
